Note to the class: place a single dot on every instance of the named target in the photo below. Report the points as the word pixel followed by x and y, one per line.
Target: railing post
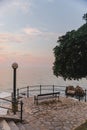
pixel 85 95
pixel 13 103
pixel 40 89
pixel 21 117
pixel 12 96
pixel 17 93
pixel 53 88
pixel 27 91
pixel 79 97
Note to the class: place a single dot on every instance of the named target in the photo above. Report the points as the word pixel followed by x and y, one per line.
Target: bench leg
pixel 58 98
pixel 37 101
pixel 34 99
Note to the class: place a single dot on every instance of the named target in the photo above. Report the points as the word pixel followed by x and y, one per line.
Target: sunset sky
pixel 29 29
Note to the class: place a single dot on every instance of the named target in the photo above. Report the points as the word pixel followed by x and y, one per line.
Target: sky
pixel 29 29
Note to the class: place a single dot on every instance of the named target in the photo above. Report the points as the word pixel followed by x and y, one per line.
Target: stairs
pixel 4 125
pixel 11 125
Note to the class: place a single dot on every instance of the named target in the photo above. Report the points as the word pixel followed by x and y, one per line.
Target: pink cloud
pixel 29 59
pixel 37 32
pixel 3 58
pixel 25 35
pixel 26 58
pixel 31 31
pixel 10 37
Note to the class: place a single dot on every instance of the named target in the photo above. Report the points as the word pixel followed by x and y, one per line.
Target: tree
pixel 71 54
pixel 85 17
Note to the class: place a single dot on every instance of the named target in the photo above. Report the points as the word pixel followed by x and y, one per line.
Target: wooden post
pixel 27 91
pixel 40 89
pixel 21 117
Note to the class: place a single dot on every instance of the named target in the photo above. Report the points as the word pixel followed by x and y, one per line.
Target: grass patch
pixel 82 127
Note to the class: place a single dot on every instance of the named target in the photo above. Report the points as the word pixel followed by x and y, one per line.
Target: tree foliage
pixel 71 54
pixel 85 17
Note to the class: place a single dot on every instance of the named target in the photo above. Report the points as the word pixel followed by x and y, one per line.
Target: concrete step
pixel 4 125
pixel 20 126
pixel 28 127
pixel 12 125
pixel 14 118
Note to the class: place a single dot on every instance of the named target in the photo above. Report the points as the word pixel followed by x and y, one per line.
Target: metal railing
pixel 8 108
pixel 34 90
pixel 41 89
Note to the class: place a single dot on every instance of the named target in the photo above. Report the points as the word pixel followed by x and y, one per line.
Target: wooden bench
pixel 46 96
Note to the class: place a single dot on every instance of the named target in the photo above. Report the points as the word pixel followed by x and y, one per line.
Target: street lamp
pixel 14 101
pixel 14 66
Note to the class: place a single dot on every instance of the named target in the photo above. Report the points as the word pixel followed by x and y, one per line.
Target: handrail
pixel 23 88
pixel 6 99
pixel 9 100
pixel 5 107
pixel 19 102
pixel 39 89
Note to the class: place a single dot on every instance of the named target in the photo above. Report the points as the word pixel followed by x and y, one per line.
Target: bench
pixel 46 96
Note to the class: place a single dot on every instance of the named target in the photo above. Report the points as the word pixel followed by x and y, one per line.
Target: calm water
pixel 34 76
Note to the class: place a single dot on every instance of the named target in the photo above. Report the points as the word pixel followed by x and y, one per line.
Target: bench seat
pixel 46 96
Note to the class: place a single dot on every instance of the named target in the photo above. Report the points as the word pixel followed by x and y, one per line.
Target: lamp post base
pixel 14 106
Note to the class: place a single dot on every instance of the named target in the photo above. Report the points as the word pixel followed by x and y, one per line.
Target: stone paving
pixel 65 114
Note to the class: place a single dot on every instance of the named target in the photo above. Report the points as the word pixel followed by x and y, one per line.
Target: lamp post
pixel 14 66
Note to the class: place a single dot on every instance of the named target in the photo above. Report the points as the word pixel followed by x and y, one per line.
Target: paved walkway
pixel 66 114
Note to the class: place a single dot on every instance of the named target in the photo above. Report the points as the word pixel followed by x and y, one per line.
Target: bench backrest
pixel 49 94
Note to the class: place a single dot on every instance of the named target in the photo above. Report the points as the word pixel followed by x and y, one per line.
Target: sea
pixel 32 76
